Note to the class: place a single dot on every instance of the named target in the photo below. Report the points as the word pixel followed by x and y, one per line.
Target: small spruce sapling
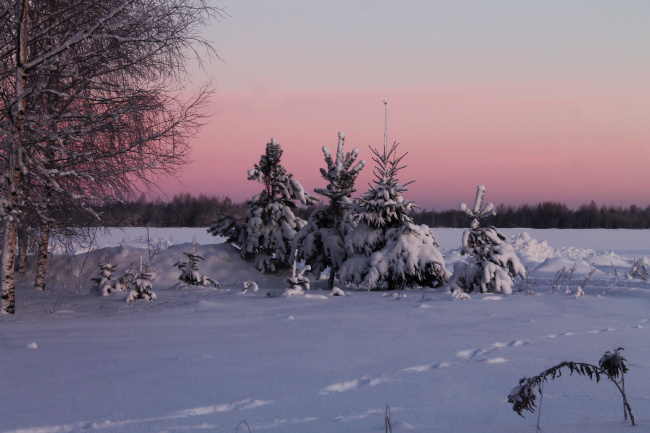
pixel 143 286
pixel 190 269
pixel 105 283
pixel 525 396
pixel 493 264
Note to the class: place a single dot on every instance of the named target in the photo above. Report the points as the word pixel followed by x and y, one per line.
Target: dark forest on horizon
pixel 186 210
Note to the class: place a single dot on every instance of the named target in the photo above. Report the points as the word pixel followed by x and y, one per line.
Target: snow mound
pixel 554 264
pixel 540 251
pixel 607 259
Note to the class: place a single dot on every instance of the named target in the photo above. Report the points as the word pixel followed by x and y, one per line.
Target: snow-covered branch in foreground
pixel 528 393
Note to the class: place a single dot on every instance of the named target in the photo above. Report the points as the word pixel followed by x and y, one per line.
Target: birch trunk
pixel 22 246
pixel 7 268
pixel 7 284
pixel 41 258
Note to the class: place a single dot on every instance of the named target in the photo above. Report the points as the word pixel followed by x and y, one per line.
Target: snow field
pixel 201 359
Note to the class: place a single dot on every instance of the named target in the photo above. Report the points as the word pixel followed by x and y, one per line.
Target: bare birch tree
pixel 91 106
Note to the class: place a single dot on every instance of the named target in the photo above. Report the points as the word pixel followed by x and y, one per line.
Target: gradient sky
pixel 539 101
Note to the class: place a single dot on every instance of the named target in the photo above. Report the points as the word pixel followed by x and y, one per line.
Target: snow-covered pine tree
pixel 387 250
pixel 190 269
pixel 320 242
pixel 270 224
pixel 105 283
pixel 143 286
pixel 493 264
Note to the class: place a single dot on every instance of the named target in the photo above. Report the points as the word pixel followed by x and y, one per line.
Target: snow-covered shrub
pixel 611 365
pixel 265 235
pixel 190 269
pixel 493 264
pixel 639 269
pixel 142 286
pixel 320 242
pixel 250 285
pixel 387 250
pixel 105 283
pixel 299 281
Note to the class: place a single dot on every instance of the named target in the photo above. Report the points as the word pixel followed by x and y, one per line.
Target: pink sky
pixel 556 110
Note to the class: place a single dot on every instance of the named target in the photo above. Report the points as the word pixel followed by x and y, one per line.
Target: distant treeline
pixel 186 210
pixel 547 215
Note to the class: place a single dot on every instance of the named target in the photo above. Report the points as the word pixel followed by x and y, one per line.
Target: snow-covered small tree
pixel 142 286
pixel 270 224
pixel 190 269
pixel 105 283
pixel 493 264
pixel 387 250
pixel 639 269
pixel 320 241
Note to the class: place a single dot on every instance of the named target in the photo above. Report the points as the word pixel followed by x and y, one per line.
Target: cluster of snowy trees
pixel 370 242
pixel 89 108
pixel 138 281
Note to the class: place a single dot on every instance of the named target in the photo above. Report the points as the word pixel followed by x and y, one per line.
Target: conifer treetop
pixel 279 185
pixel 479 211
pixel 340 173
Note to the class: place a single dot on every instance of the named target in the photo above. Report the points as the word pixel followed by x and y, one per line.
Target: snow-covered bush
pixel 252 285
pixel 493 264
pixel 320 242
pixel 142 286
pixel 105 283
pixel 190 269
pixel 639 269
pixel 265 235
pixel 387 250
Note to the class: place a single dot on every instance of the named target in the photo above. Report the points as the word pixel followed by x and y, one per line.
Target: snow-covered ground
pixel 202 359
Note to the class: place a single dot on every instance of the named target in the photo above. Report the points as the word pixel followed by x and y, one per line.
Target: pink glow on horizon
pixel 539 101
pixel 526 145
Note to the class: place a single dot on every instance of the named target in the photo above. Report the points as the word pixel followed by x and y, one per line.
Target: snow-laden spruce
pixel 493 264
pixel 105 283
pixel 387 250
pixel 270 224
pixel 142 286
pixel 190 269
pixel 320 242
